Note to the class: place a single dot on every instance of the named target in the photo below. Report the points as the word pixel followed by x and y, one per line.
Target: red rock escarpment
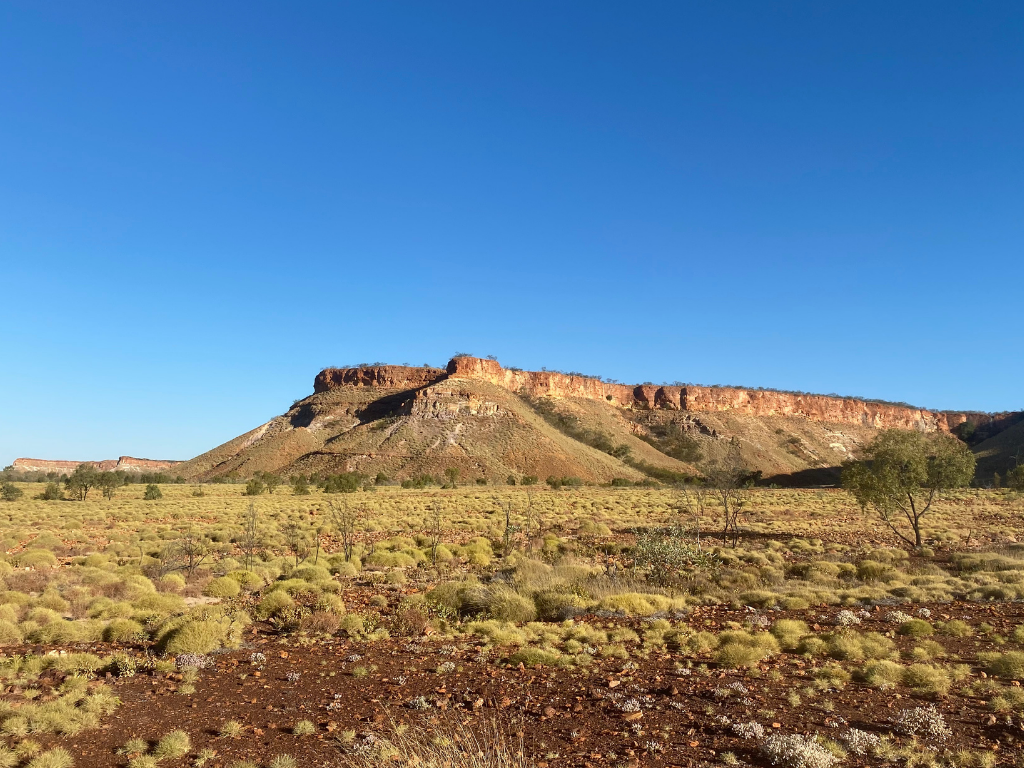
pixel 384 376
pixel 121 464
pixel 821 408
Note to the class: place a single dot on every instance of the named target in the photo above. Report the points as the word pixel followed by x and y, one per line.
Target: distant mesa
pixel 494 424
pixel 120 464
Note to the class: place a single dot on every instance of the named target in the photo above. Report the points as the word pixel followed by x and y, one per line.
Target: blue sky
pixel 202 204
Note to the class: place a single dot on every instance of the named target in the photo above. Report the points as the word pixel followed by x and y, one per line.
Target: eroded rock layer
pixel 758 403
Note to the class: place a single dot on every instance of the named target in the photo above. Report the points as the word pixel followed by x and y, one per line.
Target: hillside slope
pixel 999 453
pixel 490 422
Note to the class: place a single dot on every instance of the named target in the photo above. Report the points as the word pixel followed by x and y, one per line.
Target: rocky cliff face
pixel 121 464
pixel 383 376
pixel 819 408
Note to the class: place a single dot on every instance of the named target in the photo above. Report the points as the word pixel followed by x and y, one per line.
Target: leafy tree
pixel 10 492
pixel 254 487
pixel 108 483
pixel 82 480
pixel 51 492
pixel 902 475
pixel 1015 477
pixel 380 479
pixel 152 493
pixel 510 480
pixel 452 473
pixel 345 482
pixel 271 481
pixel 300 485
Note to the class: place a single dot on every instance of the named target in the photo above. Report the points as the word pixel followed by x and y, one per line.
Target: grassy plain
pixel 578 626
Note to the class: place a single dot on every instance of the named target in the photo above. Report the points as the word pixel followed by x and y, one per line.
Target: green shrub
pixel 192 636
pixel 533 657
pixel 123 631
pixel 9 633
pixel 1009 666
pixel 304 728
pixel 640 604
pixel 926 679
pixel 832 675
pixel 10 492
pixel 956 628
pixel 848 645
pixel 311 573
pixel 1008 700
pixel 789 632
pixel 225 586
pixel 916 628
pixel 497 602
pixel 881 674
pixel 57 757
pixel 152 492
pixel 737 649
pixel 36 558
pixel 172 746
pixel 273 603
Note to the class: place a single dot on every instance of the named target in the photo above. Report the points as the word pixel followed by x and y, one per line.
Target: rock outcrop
pixel 121 464
pixel 749 402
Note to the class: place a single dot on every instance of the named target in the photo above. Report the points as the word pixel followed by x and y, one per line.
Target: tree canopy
pixel 903 473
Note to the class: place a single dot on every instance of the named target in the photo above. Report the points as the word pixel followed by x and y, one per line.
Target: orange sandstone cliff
pixel 821 408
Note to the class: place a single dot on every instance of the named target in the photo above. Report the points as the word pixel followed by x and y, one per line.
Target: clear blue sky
pixel 202 204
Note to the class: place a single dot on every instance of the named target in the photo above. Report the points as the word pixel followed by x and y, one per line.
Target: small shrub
pixel 53 758
pixel 916 628
pixel 225 586
pixel 172 746
pixel 304 728
pixel 195 636
pixel 881 674
pixel 232 729
pixel 152 492
pixel 923 678
pixel 1009 666
pixel 789 632
pixel 956 628
pixel 742 649
pixel 123 631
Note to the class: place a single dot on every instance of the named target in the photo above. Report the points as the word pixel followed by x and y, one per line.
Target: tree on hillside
pixel 904 473
pixel 82 480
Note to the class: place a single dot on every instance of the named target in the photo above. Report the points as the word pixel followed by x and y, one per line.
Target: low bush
pixel 1009 666
pixel 738 649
